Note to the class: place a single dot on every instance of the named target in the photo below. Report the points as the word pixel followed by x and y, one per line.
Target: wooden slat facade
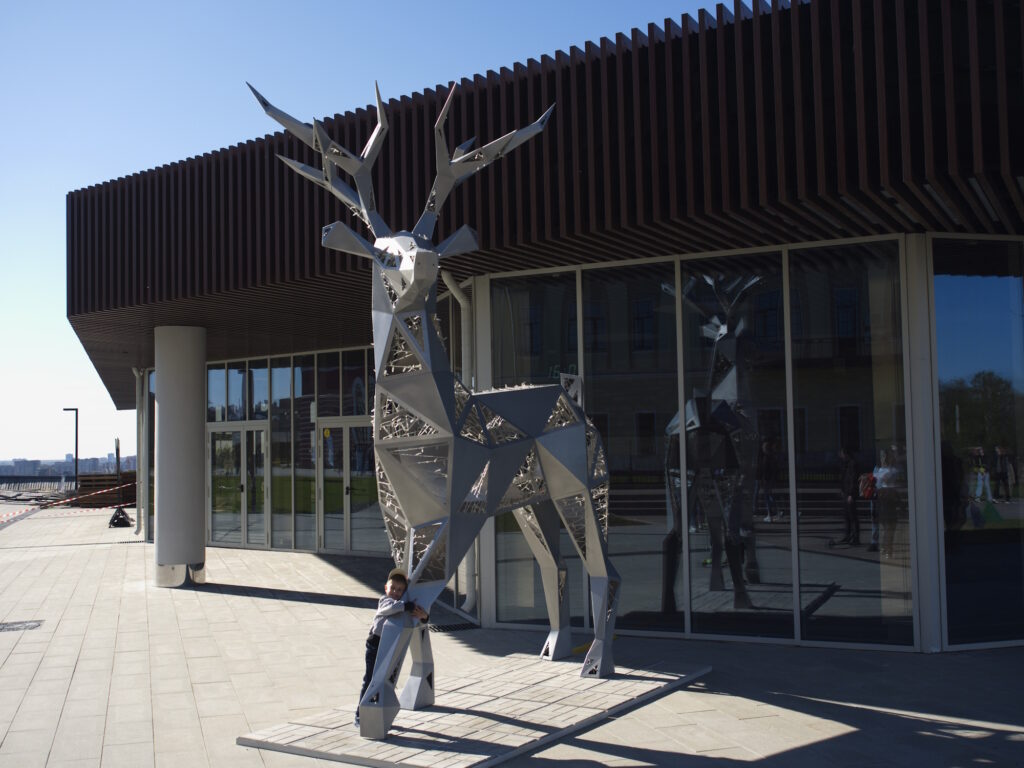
pixel 746 126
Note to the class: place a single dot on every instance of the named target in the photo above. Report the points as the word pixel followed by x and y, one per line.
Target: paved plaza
pixel 100 667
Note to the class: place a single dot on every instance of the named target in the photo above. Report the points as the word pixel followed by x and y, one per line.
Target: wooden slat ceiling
pixel 745 126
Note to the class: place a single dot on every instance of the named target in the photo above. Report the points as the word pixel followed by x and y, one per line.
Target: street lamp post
pixel 76 446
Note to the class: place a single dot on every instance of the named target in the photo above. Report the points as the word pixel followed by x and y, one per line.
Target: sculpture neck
pixel 406 328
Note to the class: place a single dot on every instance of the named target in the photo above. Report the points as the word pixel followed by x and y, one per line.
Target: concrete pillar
pixel 180 526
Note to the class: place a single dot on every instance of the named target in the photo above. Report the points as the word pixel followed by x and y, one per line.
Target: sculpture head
pixel 407 271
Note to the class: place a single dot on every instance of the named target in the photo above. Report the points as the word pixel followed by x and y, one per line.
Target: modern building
pixel 823 201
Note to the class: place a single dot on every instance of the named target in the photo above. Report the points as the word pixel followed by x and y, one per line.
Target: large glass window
pixel 328 384
pixel 304 454
pixel 258 394
pixel 854 544
pixel 353 382
pixel 533 320
pixel 630 380
pixel 979 340
pixel 216 393
pixel 733 424
pixel 281 452
pixel 236 391
pixel 533 329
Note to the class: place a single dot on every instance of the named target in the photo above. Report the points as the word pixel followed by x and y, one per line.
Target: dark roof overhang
pixel 820 120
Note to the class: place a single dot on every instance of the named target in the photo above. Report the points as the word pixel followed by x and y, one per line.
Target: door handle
pixel 348 490
pixel 241 489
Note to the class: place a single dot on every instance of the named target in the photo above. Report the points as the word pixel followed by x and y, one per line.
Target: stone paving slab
pixel 485 716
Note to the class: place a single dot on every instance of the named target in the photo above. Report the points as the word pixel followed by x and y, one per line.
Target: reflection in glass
pixel 226 487
pixel 533 321
pixel 979 340
pixel 281 452
pixel 216 393
pixel 258 390
pixel 332 457
pixel 304 455
pixel 255 488
pixel 848 381
pixel 520 592
pixel 328 385
pixel 367 524
pixel 236 391
pixel 734 425
pixel 353 382
pixel 629 343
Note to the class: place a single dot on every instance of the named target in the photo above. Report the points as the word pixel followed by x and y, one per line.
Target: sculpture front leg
pixel 418 692
pixel 379 705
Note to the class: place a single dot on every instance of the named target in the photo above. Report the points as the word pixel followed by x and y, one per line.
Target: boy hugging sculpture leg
pixel 389 607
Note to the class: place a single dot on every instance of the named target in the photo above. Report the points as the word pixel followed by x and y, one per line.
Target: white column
pixel 180 525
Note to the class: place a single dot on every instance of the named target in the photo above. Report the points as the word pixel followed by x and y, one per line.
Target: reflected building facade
pixel 739 238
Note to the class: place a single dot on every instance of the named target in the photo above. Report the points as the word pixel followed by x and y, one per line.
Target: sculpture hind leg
pixel 585 517
pixel 539 524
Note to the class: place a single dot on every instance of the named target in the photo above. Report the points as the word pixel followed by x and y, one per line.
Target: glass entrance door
pixel 237 487
pixel 225 462
pixel 255 487
pixel 366 523
pixel 348 512
pixel 331 491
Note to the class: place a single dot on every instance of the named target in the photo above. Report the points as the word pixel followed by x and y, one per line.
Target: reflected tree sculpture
pixel 447 458
pixel 721 441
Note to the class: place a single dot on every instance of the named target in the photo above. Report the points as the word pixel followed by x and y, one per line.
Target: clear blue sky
pixel 95 91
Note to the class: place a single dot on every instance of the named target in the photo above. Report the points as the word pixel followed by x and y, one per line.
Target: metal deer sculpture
pixel 448 458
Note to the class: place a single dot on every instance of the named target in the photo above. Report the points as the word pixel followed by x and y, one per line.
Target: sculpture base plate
pixel 487 715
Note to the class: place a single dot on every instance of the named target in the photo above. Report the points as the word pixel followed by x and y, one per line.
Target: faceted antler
pixel 360 201
pixel 455 167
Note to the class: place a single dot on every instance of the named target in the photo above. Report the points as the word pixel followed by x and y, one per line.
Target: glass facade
pixel 848 385
pixel 304 450
pixel 791 390
pixel 754 413
pixel 533 329
pixel 281 453
pixel 734 431
pixel 276 404
pixel 979 342
pixel 533 340
pixel 630 392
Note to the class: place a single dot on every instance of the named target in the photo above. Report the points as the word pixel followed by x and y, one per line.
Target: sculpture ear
pixel 463 240
pixel 339 237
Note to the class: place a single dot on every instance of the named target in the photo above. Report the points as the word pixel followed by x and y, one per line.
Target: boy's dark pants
pixel 372 645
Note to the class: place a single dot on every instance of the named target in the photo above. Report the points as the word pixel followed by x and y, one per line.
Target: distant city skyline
pixel 22 467
pixel 98 91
